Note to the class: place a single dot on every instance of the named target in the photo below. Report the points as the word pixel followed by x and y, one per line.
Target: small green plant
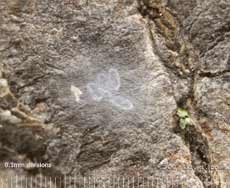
pixel 184 118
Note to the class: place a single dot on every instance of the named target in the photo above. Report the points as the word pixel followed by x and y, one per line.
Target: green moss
pixel 184 118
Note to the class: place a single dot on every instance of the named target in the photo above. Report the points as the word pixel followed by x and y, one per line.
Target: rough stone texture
pixel 168 54
pixel 206 25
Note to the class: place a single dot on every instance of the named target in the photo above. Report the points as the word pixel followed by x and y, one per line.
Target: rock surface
pixel 93 87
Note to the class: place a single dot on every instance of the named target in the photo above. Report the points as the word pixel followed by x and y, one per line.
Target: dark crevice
pixel 147 11
pixel 169 67
pixel 198 146
pixel 16 141
pixel 192 136
pixel 166 64
pixel 183 69
pixel 23 141
pixel 212 75
pixel 196 141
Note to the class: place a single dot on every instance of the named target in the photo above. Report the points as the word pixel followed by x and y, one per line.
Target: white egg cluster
pixel 106 86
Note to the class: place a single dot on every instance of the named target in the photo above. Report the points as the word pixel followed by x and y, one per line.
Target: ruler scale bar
pixel 41 181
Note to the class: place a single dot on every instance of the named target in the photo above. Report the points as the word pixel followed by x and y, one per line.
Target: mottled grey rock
pixel 108 77
pixel 206 25
pixel 213 96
